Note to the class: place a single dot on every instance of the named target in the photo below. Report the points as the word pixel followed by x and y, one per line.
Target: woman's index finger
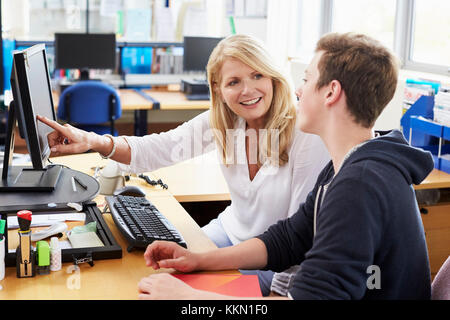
pixel 52 124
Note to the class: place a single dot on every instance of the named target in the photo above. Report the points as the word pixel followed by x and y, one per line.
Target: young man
pixel 359 234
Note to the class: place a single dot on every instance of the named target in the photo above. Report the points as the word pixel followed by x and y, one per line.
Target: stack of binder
pixel 441 108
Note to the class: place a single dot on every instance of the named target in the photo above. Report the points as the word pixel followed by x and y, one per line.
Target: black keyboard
pixel 141 222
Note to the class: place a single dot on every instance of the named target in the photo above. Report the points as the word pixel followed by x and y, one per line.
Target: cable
pixel 153 182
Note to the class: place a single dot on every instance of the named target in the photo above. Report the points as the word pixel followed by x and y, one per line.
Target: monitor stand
pixel 29 179
pixel 24 178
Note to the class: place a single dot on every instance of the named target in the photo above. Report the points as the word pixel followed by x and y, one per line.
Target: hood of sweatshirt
pixel 391 148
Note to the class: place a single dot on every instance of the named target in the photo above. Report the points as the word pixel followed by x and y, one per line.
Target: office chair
pixel 88 105
pixel 440 288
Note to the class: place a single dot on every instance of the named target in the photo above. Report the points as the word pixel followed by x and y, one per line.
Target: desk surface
pixel 436 179
pixel 198 179
pixel 169 100
pixel 107 279
pixel 87 162
pixel 118 278
pixel 131 100
pixel 176 100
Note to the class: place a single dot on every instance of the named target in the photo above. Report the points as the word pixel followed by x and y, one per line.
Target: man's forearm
pixel 250 254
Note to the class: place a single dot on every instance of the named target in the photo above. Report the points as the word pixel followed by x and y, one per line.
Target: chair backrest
pixel 440 288
pixel 89 102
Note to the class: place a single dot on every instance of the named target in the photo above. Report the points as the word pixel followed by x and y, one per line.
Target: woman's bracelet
pixel 113 148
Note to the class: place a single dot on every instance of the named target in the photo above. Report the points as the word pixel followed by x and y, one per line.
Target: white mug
pixel 110 178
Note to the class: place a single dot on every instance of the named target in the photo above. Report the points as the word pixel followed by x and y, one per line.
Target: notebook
pixel 85 240
pixel 232 285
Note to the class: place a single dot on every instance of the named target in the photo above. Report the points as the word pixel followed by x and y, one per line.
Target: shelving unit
pixel 120 45
pixel 421 131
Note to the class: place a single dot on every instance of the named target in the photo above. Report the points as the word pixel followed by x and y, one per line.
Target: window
pixel 417 30
pixel 138 20
pixel 431 32
pixel 308 32
pixel 375 18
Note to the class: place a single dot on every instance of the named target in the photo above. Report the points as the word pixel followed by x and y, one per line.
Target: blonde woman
pixel 268 164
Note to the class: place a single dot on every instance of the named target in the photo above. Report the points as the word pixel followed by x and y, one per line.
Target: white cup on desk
pixel 110 178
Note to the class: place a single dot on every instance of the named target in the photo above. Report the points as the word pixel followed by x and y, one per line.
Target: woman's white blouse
pixel 275 192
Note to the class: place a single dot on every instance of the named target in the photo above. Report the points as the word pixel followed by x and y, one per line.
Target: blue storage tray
pixel 446 133
pixel 426 126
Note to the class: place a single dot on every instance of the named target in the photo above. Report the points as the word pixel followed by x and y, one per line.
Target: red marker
pixel 24 219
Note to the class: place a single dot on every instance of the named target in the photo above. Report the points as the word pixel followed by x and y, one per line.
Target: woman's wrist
pixel 100 143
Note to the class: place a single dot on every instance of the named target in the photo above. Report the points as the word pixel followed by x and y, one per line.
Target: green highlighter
pixel 2 228
pixel 43 257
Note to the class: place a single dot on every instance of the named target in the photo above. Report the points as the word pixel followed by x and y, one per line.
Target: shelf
pixel 428 127
pixel 119 44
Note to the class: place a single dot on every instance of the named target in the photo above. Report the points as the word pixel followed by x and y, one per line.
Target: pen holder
pixel 2 259
pixel 25 260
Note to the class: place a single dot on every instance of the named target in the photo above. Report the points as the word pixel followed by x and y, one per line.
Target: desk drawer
pixel 436 222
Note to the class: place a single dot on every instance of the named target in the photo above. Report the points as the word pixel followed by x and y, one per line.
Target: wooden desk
pixel 132 100
pixel 143 100
pixel 176 100
pixel 107 279
pixel 436 220
pixel 87 162
pixel 197 179
pixel 436 179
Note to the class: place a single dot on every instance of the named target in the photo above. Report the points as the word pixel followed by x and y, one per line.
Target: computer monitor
pixel 85 51
pixel 2 130
pixel 32 95
pixel 197 51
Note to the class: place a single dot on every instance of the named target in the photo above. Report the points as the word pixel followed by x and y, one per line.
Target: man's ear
pixel 333 92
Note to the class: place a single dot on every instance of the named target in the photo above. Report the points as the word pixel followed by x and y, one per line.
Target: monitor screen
pixel 85 51
pixel 197 51
pixel 32 93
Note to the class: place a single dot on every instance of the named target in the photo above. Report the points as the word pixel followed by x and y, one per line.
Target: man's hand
pixel 167 254
pixel 163 286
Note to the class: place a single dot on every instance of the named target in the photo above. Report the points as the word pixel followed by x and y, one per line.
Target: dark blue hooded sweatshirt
pixel 366 240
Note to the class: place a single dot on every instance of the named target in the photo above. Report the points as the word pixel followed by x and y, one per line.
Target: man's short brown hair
pixel 366 70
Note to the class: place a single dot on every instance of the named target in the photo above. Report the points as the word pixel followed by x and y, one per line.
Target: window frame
pixel 403 35
pixel 409 9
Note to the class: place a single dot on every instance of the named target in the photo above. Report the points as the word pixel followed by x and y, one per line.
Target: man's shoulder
pixel 367 169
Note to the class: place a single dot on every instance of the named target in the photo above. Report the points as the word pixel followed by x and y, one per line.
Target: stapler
pixel 25 260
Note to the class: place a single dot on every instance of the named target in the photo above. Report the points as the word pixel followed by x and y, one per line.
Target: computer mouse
pixel 133 191
pixel 55 229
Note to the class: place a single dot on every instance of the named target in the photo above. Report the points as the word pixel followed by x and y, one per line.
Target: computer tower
pixel 194 87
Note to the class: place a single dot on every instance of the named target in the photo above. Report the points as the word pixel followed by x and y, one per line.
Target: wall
pixel 15 22
pixel 256 27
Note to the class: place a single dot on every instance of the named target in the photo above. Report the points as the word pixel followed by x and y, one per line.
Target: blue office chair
pixel 88 105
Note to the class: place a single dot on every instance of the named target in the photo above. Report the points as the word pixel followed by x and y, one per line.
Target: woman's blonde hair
pixel 281 116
